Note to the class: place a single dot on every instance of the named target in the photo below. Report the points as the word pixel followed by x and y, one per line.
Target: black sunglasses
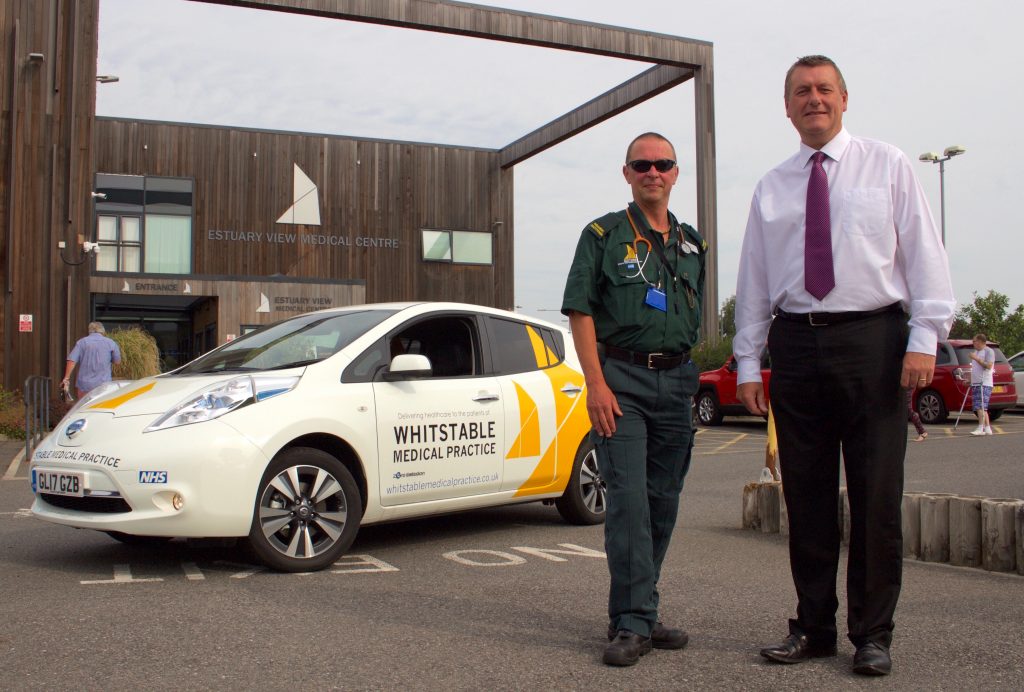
pixel 643 165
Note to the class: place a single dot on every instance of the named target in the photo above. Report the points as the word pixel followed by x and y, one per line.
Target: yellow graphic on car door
pixel 570 421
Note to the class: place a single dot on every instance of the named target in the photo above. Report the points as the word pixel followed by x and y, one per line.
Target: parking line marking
pixel 122 575
pixel 731 442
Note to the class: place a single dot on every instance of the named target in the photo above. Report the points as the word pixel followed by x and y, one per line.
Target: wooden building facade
pixel 206 232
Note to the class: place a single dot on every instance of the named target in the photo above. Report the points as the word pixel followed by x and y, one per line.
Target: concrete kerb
pixel 966 531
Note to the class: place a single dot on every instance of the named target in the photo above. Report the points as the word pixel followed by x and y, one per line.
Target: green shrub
pixel 12 416
pixel 140 356
pixel 708 356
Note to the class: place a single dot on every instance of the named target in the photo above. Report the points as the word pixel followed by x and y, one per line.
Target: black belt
pixel 824 319
pixel 651 361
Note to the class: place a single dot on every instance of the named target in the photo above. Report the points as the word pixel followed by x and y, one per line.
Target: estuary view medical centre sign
pixel 261 238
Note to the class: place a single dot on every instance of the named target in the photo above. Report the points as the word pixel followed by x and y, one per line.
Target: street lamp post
pixel 933 157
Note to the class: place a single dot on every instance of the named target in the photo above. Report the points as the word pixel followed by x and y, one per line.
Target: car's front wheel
pixel 708 410
pixel 583 501
pixel 307 511
pixel 931 407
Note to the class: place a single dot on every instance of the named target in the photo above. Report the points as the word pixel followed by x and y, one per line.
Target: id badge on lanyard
pixel 656 298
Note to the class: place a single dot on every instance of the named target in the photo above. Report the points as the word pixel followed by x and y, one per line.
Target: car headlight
pixel 216 400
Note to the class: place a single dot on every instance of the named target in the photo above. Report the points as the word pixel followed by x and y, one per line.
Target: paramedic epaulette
pixel 601 226
pixel 696 237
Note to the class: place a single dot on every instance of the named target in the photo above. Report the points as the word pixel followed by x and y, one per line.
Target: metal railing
pixel 37 411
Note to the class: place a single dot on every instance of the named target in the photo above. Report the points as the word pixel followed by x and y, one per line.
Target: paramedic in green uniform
pixel 633 299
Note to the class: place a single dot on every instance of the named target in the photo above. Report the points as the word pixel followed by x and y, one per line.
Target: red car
pixel 950 388
pixel 716 393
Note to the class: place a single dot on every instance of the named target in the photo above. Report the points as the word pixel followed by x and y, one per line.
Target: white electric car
pixel 297 434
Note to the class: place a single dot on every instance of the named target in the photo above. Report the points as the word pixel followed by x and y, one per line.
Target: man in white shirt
pixel 982 361
pixel 828 272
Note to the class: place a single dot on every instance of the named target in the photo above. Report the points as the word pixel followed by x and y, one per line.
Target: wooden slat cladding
pixel 375 198
pixel 48 105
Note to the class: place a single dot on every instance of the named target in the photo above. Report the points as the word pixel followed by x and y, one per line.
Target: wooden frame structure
pixel 48 149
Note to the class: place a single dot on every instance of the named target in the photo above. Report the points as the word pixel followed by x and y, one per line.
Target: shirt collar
pixel 641 221
pixel 834 149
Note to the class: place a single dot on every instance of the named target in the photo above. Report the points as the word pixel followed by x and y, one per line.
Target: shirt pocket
pixel 624 263
pixel 867 211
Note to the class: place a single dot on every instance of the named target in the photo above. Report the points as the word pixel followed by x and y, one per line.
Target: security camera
pixel 99 195
pixel 88 247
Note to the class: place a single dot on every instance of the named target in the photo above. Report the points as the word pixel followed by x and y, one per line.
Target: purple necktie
pixel 818 276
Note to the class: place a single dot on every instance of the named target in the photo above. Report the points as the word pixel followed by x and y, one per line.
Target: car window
pixel 521 347
pixel 963 354
pixel 450 342
pixel 942 356
pixel 1017 362
pixel 298 341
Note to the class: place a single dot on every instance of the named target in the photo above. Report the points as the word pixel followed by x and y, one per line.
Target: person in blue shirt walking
pixel 95 355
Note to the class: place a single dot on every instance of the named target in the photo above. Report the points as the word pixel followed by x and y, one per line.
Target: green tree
pixel 727 318
pixel 991 315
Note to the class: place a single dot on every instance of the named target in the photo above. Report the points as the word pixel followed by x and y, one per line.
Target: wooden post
pixel 751 517
pixel 935 527
pixel 1020 538
pixel 768 495
pixel 998 529
pixel 965 531
pixel 911 508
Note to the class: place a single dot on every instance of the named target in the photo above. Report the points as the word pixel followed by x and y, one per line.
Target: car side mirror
pixel 408 366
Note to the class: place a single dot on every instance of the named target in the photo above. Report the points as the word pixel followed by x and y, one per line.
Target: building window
pixel 120 239
pixel 458 247
pixel 144 224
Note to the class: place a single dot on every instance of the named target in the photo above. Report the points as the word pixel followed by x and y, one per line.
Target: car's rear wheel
pixel 931 407
pixel 708 410
pixel 583 501
pixel 994 415
pixel 307 511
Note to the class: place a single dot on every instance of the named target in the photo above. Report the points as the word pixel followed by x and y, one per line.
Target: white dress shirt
pixel 885 247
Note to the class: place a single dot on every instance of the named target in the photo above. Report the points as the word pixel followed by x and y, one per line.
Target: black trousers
pixel 835 391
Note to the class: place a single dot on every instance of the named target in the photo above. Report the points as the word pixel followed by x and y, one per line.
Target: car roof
pixel 963 343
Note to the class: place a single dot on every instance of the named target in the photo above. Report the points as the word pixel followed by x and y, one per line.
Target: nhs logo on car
pixel 152 476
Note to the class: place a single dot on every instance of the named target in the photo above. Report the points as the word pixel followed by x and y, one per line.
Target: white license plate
pixel 59 482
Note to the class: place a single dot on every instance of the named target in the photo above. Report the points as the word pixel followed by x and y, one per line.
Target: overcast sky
pixel 922 75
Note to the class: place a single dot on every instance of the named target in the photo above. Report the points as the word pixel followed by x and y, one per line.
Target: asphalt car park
pixel 505 597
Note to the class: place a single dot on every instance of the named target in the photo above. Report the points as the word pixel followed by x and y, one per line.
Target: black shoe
pixel 661 637
pixel 796 649
pixel 626 649
pixel 872 659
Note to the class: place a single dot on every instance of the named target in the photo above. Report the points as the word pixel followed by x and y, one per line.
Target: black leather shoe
pixel 872 659
pixel 797 648
pixel 661 637
pixel 626 649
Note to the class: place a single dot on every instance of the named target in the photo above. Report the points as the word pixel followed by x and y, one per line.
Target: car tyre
pixel 583 501
pixel 307 511
pixel 994 415
pixel 931 407
pixel 708 411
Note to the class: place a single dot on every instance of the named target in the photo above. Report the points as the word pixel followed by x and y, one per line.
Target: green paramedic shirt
pixel 605 282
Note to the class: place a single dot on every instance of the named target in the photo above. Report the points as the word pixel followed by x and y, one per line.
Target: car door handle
pixel 486 396
pixel 571 389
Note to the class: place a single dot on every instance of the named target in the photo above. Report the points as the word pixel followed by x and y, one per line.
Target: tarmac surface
pixel 469 602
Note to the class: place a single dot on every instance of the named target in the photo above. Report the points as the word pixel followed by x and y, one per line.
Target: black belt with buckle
pixel 651 361
pixel 825 319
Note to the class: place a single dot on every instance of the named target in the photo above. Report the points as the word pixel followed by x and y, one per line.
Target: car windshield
pixel 292 343
pixel 963 354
